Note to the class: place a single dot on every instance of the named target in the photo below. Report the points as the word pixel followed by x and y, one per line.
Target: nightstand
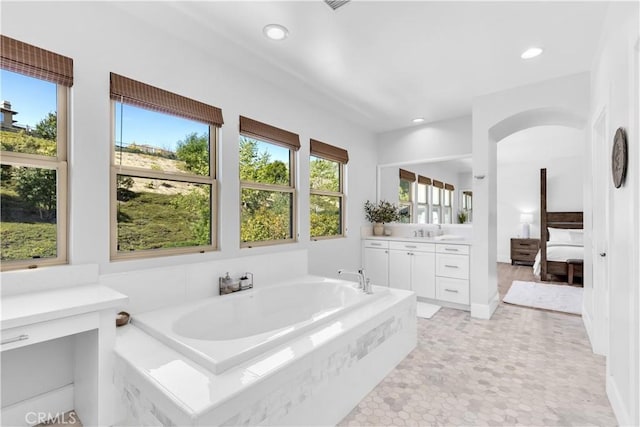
pixel 524 251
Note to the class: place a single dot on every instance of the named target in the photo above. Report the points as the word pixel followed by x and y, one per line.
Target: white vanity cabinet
pixel 376 261
pixel 412 267
pixel 452 273
pixel 433 270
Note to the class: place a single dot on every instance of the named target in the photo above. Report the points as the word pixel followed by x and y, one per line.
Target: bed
pixel 561 240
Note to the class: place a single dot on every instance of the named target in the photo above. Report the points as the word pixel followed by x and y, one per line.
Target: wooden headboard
pixel 553 220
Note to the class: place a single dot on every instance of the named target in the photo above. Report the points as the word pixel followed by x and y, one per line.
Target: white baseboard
pixel 27 412
pixel 617 404
pixel 485 311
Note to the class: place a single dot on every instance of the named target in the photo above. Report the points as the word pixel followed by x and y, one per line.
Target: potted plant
pixel 462 216
pixel 379 214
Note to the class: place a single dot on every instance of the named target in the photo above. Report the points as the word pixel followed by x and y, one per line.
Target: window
pixel 405 195
pixel 33 137
pixel 267 184
pixel 447 211
pixel 436 202
pixel 424 185
pixel 326 199
pixel 163 172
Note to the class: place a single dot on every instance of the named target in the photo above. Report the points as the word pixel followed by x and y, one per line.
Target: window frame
pixel 291 189
pixel 134 172
pixel 340 194
pixel 59 164
pixel 436 207
pixel 427 189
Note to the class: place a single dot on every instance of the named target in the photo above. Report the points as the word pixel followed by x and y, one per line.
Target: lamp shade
pixel 526 218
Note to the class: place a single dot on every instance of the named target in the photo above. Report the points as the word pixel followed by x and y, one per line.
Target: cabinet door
pixel 423 274
pixel 400 269
pixel 376 265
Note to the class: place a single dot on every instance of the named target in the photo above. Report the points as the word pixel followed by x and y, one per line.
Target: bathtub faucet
pixel 363 281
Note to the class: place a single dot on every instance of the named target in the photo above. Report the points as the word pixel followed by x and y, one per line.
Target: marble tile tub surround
pixel 334 366
pixel 523 367
pixel 155 288
pixel 406 230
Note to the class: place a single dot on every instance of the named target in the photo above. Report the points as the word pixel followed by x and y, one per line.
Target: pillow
pixel 559 235
pixel 577 236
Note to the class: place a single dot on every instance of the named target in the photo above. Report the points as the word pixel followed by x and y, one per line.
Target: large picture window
pixel 163 172
pixel 436 201
pixel 424 186
pixel 267 184
pixel 326 199
pixel 33 138
pixel 447 209
pixel 405 195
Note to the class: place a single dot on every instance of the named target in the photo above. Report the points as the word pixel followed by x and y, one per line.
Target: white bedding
pixel 561 252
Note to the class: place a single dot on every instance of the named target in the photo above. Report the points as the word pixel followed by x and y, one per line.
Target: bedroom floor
pixel 525 366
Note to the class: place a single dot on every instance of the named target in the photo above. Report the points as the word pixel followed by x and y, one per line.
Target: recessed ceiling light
pixel 418 120
pixel 275 32
pixel 532 52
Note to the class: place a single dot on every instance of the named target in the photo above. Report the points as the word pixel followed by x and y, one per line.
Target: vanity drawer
pixel 452 290
pixel 452 249
pixel 455 266
pixel 411 246
pixel 21 336
pixel 380 244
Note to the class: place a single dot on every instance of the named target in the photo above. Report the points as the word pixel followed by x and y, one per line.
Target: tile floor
pixel 523 367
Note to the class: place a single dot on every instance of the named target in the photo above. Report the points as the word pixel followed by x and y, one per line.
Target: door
pixel 601 181
pixel 400 269
pixel 376 265
pixel 423 274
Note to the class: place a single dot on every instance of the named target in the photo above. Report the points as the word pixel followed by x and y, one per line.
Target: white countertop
pixel 33 307
pixel 464 241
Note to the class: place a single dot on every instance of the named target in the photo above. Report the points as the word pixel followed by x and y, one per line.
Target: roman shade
pixel 35 62
pixel 128 91
pixel 449 187
pixel 255 129
pixel 329 152
pixel 424 180
pixel 407 176
pixel 438 184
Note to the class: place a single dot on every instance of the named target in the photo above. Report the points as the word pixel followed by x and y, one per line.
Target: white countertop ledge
pixel 33 307
pixel 462 241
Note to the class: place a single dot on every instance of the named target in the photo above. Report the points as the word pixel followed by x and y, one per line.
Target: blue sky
pixel 149 127
pixel 33 99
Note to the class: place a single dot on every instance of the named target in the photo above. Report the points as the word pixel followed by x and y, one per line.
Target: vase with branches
pixel 381 213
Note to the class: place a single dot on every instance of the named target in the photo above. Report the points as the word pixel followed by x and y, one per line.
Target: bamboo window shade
pixel 449 187
pixel 424 180
pixel 35 62
pixel 438 184
pixel 407 176
pixel 262 131
pixel 329 152
pixel 140 94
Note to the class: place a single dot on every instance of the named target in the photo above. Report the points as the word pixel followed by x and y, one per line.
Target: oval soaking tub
pixel 222 332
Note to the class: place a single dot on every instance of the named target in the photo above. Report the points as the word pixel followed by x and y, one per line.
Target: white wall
pixel 438 140
pixel 520 157
pixel 102 38
pixel 614 91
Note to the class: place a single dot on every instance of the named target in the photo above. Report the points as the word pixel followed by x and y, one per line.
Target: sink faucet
pixel 363 281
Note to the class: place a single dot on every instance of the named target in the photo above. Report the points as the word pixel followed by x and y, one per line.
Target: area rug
pixel 426 310
pixel 566 299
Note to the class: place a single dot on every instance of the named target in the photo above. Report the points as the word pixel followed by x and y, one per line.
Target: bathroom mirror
pixel 429 192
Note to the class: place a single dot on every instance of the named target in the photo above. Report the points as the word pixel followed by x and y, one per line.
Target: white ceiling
pixel 382 63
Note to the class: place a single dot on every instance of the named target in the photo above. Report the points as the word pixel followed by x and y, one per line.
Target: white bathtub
pixel 222 332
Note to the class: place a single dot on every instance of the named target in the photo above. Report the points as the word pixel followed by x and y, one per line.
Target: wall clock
pixel 619 157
